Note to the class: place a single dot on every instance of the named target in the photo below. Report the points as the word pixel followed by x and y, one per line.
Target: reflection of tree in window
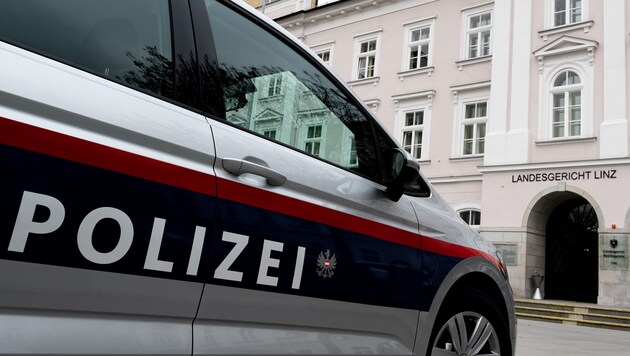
pixel 153 72
pixel 261 54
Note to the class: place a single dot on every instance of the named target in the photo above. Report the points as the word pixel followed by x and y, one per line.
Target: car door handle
pixel 238 167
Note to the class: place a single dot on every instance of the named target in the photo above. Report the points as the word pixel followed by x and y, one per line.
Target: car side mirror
pixel 402 172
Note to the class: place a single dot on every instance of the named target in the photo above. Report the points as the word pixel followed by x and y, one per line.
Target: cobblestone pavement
pixel 537 338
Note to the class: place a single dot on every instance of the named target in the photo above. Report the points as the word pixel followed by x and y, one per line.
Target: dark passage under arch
pixel 572 252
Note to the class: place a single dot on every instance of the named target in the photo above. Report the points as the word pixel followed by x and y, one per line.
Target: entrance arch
pixel 571 252
pixel 562 242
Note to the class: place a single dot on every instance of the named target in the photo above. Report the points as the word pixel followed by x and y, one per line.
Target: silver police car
pixel 184 177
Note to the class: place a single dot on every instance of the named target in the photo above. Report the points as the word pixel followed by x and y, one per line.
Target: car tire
pixel 470 324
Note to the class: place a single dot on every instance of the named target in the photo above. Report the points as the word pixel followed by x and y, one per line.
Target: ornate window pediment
pixel 268 114
pixel 563 45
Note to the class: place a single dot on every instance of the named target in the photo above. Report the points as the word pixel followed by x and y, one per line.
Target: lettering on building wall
pixel 565 176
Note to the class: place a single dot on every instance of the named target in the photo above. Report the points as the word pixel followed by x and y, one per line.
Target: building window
pixel 324 51
pixel 354 159
pixel 419 41
pixel 412 133
pixel 275 85
pixel 566 12
pixel 475 117
pixel 325 56
pixel 471 217
pixel 567 105
pixel 270 134
pixel 313 142
pixel 366 59
pixel 478 35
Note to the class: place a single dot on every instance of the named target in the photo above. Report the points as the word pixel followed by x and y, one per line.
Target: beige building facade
pixel 517 111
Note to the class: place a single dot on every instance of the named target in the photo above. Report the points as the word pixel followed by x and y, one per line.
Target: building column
pixel 507 140
pixel 614 128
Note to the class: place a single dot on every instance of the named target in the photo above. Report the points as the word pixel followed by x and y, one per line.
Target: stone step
pixel 574 313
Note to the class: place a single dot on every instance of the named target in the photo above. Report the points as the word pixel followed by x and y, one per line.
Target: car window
pixel 125 41
pixel 270 89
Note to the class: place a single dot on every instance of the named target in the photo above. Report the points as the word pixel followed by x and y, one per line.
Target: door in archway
pixel 572 249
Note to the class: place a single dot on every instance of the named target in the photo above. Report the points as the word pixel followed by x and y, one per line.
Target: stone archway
pixel 557 203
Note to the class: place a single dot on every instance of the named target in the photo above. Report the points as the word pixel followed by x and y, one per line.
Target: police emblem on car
pixel 326 264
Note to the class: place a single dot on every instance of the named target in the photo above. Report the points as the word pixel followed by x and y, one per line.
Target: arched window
pixel 566 105
pixel 470 216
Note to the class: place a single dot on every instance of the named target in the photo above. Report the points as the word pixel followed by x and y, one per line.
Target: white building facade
pixel 517 111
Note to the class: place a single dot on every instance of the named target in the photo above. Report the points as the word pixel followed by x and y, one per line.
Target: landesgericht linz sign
pixel 565 176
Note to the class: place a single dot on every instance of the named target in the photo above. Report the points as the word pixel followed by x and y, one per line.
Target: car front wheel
pixel 470 326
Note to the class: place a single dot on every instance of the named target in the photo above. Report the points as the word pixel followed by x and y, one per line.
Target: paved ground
pixel 536 338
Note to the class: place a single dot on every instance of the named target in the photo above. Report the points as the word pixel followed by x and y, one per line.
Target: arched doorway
pixel 571 251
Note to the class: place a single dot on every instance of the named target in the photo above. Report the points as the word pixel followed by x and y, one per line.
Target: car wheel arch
pixel 472 273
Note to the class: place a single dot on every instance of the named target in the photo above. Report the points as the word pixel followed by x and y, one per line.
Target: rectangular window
pixel 366 59
pixel 354 160
pixel 313 142
pixel 325 56
pixel 475 117
pixel 575 109
pixel 479 35
pixel 271 134
pixel 418 48
pixel 567 114
pixel 275 85
pixel 567 12
pixel 412 133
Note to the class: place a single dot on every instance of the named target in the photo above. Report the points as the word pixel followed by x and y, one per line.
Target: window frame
pixel 474 122
pixel 467 14
pixel 320 140
pixel 377 134
pixel 470 211
pixel 413 102
pixel 409 43
pixel 325 55
pixel 413 129
pixel 567 13
pixel 274 87
pixel 579 64
pixel 320 52
pixel 358 55
pixel 462 96
pixel 566 90
pixel 550 23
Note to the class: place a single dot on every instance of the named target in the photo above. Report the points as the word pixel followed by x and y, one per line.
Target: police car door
pixel 310 256
pixel 107 188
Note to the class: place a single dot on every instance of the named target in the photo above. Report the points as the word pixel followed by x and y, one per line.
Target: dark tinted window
pixel 126 41
pixel 272 90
